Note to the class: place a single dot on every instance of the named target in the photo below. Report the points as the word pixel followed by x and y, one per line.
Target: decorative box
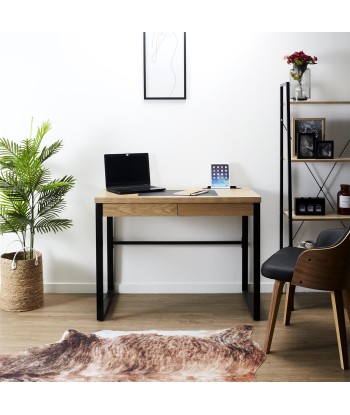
pixel 310 206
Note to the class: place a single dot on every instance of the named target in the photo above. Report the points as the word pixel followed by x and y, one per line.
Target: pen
pixel 231 187
pixel 199 192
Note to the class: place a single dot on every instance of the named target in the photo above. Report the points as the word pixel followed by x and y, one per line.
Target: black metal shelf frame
pixel 285 92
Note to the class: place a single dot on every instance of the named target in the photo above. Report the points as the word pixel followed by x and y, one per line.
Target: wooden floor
pixel 302 352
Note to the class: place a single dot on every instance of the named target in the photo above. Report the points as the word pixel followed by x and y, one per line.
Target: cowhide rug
pixel 224 356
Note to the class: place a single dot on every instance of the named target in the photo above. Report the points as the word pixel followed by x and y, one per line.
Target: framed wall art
pixel 164 65
pixel 314 126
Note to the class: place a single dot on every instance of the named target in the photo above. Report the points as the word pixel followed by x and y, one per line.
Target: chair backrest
pixel 325 268
pixel 330 237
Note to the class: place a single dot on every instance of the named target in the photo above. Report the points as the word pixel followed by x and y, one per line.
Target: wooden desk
pixel 226 202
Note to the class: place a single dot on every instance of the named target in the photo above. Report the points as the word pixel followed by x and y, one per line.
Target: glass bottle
pixel 343 200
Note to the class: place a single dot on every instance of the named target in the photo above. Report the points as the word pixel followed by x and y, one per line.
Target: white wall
pixel 90 85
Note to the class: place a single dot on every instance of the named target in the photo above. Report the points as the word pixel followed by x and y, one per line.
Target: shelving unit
pixel 285 131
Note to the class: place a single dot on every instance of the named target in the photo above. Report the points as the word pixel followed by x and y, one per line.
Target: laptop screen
pixel 127 169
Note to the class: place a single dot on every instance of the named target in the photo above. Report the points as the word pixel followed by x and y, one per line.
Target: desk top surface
pixel 243 195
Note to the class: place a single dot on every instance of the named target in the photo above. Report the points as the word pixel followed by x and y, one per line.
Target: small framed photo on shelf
pixel 306 145
pixel 324 149
pixel 314 126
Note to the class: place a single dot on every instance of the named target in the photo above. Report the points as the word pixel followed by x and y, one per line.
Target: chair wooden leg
pixel 346 297
pixel 289 305
pixel 339 319
pixel 275 303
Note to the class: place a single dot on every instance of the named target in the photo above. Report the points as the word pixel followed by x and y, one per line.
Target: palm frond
pixel 61 185
pixel 47 152
pixel 10 222
pixel 41 132
pixel 8 148
pixel 53 225
pixel 51 207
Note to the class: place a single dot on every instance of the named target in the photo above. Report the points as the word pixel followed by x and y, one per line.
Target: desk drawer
pixel 215 209
pixel 140 209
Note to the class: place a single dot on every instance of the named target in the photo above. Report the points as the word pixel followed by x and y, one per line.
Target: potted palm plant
pixel 30 203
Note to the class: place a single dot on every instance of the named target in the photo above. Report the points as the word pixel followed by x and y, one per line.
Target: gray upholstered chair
pixel 325 267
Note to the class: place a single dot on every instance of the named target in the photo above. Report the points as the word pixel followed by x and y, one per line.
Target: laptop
pixel 128 173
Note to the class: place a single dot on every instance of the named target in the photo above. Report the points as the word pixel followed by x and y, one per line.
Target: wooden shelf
pixel 327 216
pixel 319 102
pixel 334 160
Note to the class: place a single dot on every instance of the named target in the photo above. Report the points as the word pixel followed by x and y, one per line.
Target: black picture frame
pixel 325 149
pixel 164 65
pixel 306 145
pixel 314 126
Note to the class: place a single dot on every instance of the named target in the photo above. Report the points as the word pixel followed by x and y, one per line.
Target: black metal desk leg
pixel 99 262
pixel 110 255
pixel 244 253
pixel 103 301
pixel 256 261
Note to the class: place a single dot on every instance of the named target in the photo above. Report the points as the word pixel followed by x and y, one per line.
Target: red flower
pixel 300 59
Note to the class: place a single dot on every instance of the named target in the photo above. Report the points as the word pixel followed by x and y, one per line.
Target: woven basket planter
pixel 22 288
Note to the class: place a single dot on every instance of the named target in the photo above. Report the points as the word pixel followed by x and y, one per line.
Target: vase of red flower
pixel 300 83
pixel 300 77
